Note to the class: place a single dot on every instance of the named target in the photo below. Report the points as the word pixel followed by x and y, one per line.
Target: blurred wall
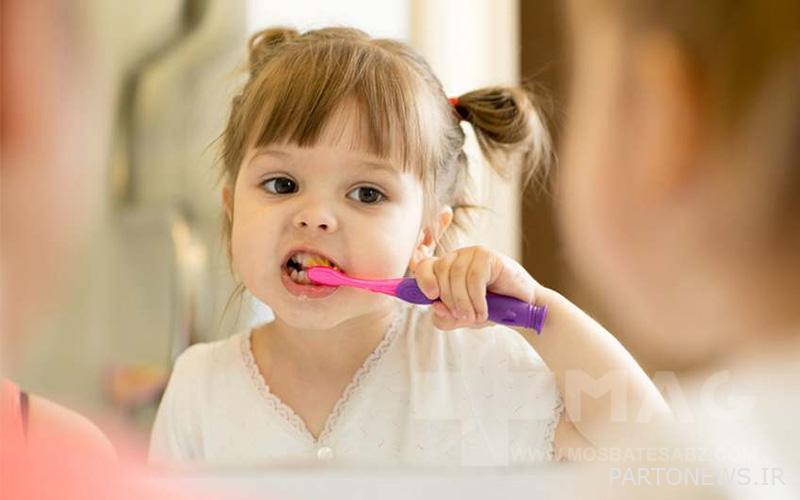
pixel 168 69
pixel 387 18
pixel 472 44
pixel 542 65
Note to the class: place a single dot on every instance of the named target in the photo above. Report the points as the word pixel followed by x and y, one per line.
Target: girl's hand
pixel 460 279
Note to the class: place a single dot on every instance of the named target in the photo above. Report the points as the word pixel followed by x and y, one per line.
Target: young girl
pixel 344 150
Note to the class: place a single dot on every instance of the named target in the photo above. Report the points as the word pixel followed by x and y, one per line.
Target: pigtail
pixel 511 130
pixel 263 43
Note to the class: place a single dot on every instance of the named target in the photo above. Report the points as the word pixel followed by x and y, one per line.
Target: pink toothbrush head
pixel 502 309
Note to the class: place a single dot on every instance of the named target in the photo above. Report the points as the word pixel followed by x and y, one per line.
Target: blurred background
pixel 153 277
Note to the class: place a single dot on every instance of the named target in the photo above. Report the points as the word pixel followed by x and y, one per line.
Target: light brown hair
pixel 297 81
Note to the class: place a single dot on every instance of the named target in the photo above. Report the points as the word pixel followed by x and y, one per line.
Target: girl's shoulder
pixel 203 361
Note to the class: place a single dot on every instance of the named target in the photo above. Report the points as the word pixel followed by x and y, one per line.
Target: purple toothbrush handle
pixel 502 308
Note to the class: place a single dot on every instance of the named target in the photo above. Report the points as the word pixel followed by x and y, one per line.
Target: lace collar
pixel 288 415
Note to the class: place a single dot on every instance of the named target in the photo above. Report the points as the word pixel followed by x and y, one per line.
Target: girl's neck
pixel 342 348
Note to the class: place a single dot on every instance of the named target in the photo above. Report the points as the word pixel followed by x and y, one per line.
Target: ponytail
pixel 510 128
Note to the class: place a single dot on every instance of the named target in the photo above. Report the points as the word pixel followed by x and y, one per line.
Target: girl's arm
pixel 606 393
pixel 607 396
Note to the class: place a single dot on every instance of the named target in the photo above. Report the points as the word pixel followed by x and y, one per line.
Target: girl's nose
pixel 316 217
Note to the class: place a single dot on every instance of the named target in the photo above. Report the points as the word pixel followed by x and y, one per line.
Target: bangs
pixel 315 88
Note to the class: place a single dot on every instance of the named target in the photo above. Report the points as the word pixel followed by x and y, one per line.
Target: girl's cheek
pixel 379 254
pixel 376 260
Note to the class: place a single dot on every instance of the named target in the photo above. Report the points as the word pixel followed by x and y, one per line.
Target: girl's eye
pixel 280 185
pixel 366 194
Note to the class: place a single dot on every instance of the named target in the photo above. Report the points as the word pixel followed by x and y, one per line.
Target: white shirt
pixel 423 396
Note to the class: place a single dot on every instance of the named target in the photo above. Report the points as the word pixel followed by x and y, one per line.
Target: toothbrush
pixel 502 309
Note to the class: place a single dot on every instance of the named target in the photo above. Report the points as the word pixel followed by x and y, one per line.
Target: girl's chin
pixel 307 314
pixel 310 318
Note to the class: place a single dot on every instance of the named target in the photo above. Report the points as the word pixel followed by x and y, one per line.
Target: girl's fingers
pixel 462 303
pixel 426 278
pixel 445 323
pixel 441 268
pixel 440 309
pixel 459 281
pixel 477 277
pixel 442 319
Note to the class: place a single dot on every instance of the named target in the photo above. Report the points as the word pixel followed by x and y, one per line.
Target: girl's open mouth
pixel 296 280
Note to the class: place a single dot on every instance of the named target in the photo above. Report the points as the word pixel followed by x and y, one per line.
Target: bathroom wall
pixel 167 70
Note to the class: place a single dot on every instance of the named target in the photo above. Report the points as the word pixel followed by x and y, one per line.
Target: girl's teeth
pixel 305 261
pixel 316 261
pixel 300 277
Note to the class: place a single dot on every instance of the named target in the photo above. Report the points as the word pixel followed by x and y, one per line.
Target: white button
pixel 325 453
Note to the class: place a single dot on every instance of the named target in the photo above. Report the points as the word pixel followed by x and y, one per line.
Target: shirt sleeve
pixel 177 437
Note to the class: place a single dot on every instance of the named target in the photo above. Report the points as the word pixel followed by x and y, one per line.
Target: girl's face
pixel 294 207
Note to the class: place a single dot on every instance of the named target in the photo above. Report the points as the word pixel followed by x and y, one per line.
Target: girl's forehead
pixel 327 154
pixel 350 126
pixel 347 131
pixel 347 128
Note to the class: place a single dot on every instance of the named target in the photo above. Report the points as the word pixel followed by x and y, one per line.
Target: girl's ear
pixel 227 201
pixel 429 236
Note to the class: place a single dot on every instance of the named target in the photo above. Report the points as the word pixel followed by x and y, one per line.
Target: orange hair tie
pixel 459 112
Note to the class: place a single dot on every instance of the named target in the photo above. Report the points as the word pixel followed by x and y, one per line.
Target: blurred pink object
pixel 69 467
